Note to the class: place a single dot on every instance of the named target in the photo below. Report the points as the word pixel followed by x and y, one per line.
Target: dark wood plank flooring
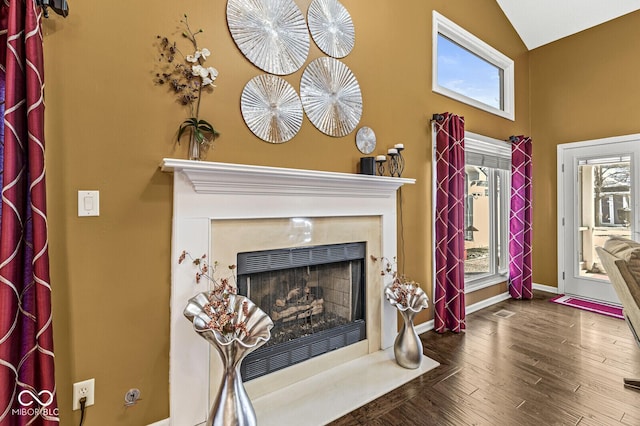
pixel 546 365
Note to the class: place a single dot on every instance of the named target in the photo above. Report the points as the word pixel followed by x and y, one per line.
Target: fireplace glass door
pixel 315 297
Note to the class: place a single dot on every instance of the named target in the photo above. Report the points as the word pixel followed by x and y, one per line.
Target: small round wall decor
pixel 366 140
pixel 271 108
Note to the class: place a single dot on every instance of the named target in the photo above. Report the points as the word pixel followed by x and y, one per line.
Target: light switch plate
pixel 88 203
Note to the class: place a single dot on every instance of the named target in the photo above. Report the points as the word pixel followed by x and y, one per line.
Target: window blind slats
pixel 483 153
pixel 607 160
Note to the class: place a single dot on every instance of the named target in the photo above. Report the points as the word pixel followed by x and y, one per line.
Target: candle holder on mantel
pixel 396 162
pixel 380 160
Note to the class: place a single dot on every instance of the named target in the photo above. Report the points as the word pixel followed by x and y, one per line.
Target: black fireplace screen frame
pixel 281 354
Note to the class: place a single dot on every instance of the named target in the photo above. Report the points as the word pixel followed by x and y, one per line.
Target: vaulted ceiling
pixel 539 22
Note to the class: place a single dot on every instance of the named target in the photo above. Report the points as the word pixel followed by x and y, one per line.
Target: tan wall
pixel 108 127
pixel 582 87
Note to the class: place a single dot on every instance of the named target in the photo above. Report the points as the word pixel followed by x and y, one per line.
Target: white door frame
pixel 560 191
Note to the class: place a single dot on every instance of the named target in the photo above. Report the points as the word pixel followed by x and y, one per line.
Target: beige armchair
pixel 621 259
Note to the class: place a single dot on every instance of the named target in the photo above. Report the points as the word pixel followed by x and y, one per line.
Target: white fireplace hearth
pixel 221 209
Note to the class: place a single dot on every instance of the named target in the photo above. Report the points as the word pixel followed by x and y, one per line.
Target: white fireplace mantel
pixel 209 177
pixel 205 192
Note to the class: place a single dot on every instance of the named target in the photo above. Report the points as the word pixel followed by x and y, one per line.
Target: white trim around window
pixel 473 44
pixel 495 154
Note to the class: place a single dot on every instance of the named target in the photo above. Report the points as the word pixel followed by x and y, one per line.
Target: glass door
pixel 600 199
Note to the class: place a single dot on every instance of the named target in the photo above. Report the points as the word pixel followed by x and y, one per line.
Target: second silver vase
pixel 408 346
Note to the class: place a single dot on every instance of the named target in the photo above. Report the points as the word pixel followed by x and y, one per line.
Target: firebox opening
pixel 315 297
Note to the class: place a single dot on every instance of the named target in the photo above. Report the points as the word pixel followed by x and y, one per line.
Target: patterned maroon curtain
pixel 27 385
pixel 449 224
pixel 520 220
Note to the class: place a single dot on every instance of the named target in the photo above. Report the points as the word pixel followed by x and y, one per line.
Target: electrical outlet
pixel 83 389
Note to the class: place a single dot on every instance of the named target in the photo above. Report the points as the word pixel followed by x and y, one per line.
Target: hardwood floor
pixel 547 364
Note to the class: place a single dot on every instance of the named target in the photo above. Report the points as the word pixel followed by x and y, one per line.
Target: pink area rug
pixel 589 305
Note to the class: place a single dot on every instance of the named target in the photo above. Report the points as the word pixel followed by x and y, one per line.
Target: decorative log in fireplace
pixel 315 297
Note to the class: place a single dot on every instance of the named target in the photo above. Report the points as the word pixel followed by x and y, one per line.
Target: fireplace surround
pixel 216 204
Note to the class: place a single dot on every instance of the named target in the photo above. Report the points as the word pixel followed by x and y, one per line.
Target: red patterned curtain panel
pixel 520 220
pixel 449 224
pixel 27 384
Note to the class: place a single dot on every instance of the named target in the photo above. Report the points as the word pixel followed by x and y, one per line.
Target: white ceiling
pixel 539 22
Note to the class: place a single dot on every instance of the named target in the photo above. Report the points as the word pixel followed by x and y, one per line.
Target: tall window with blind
pixel 487 187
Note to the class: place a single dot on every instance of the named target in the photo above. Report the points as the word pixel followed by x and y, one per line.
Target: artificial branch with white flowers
pixel 188 79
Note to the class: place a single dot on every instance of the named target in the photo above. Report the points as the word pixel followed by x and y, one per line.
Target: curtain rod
pixel 58 6
pixel 440 117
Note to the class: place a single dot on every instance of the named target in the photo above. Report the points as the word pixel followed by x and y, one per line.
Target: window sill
pixel 484 282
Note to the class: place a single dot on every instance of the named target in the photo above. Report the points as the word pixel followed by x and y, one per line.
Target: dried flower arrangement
pixel 235 327
pixel 188 79
pixel 401 292
pixel 223 315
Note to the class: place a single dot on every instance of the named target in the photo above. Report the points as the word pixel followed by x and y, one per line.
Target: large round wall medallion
pixel 331 96
pixel 331 27
pixel 366 140
pixel 272 34
pixel 271 108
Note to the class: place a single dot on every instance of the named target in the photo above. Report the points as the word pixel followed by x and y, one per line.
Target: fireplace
pixel 225 209
pixel 294 239
pixel 315 297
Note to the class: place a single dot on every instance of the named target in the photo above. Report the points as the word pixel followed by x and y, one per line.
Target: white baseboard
pixel 487 302
pixel 424 327
pixel 546 288
pixel 428 325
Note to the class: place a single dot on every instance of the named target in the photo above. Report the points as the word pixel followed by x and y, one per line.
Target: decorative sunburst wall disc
pixel 331 96
pixel 272 34
pixel 331 27
pixel 271 108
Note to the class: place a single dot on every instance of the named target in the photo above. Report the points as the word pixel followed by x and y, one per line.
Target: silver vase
pixel 409 299
pixel 408 346
pixel 232 406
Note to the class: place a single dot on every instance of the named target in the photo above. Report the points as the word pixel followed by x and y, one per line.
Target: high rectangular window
pixel 467 69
